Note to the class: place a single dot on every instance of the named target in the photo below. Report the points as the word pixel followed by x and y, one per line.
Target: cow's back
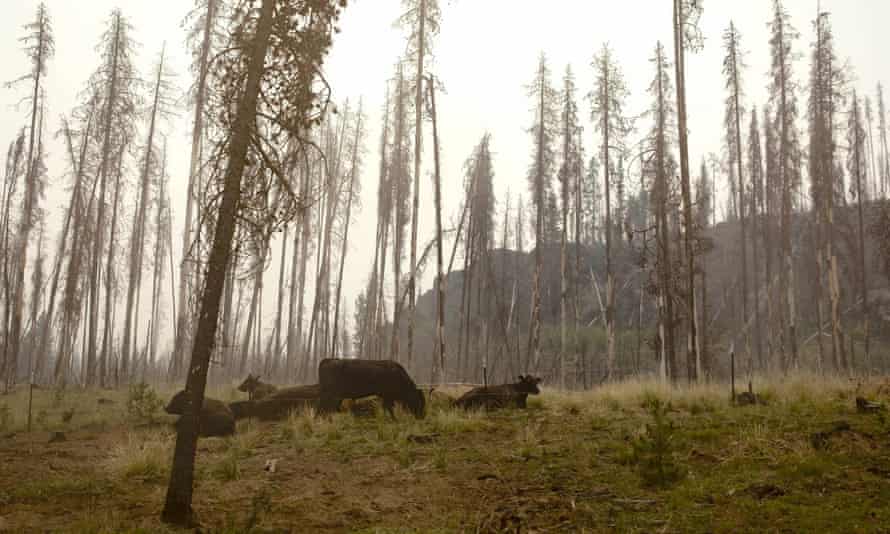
pixel 349 379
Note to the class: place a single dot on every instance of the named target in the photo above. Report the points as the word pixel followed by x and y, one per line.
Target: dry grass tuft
pixel 142 456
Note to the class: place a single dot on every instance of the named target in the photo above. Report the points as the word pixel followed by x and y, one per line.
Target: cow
pixel 505 395
pixel 255 388
pixel 216 419
pixel 278 404
pixel 354 379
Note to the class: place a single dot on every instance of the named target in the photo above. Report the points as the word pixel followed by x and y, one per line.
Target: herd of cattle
pixel 340 380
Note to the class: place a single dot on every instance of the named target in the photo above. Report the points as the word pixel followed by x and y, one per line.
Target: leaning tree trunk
pixel 178 504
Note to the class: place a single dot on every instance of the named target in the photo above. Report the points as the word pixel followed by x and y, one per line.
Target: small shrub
pixel 143 402
pixel 653 451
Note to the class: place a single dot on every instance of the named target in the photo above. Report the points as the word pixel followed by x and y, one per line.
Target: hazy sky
pixel 485 54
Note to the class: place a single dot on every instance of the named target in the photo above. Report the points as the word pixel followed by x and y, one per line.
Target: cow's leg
pixel 388 407
pixel 327 404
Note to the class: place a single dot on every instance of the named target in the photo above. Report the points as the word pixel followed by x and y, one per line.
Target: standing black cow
pixel 216 419
pixel 353 379
pixel 502 396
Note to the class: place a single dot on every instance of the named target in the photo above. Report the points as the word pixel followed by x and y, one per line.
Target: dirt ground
pixel 805 462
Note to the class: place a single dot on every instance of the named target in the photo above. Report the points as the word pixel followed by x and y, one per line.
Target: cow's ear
pixel 538 380
pixel 521 378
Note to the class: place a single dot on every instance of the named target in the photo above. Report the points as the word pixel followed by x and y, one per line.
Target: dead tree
pixel 114 85
pixel 352 191
pixel 40 47
pixel 686 36
pixel 733 65
pixel 160 108
pixel 607 114
pixel 203 38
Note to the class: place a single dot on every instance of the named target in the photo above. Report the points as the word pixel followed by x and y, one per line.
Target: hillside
pixel 510 269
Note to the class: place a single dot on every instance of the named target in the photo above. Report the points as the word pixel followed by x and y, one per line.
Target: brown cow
pixel 278 404
pixel 255 388
pixel 354 379
pixel 514 395
pixel 216 419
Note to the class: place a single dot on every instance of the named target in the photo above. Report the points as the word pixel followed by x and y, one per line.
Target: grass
pixel 142 457
pixel 573 461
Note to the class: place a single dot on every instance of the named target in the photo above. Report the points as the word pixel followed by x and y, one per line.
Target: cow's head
pixel 528 384
pixel 417 403
pixel 250 383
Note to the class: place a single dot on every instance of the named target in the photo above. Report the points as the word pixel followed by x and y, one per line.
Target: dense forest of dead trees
pixel 606 266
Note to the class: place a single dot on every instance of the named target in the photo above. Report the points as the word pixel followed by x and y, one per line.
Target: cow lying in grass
pixel 354 379
pixel 216 419
pixel 278 404
pixel 255 388
pixel 503 396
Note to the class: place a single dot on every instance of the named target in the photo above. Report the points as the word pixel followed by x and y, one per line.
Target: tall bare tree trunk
pixel 415 215
pixel 14 334
pixel 275 348
pixel 743 240
pixel 353 171
pixel 534 341
pixel 89 370
pixel 860 191
pixel 188 260
pixel 71 214
pixel 439 362
pixel 137 241
pixel 688 234
pixel 160 252
pixel 108 330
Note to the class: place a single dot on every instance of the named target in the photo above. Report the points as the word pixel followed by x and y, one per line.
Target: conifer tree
pixel 607 113
pixel 568 171
pixel 783 100
pixel 661 166
pixel 733 66
pixel 540 176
